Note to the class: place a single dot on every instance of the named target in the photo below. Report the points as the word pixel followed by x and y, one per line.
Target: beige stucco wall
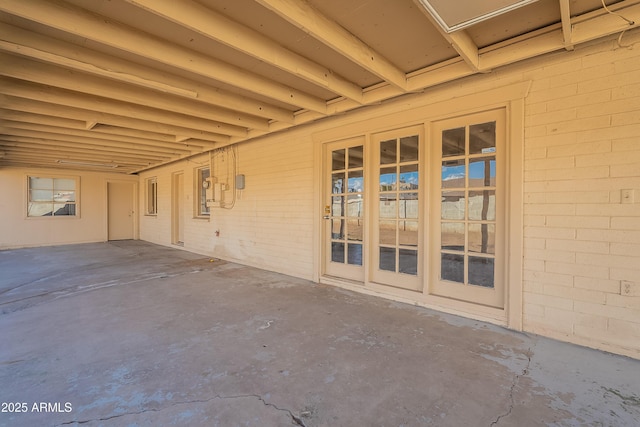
pixel 16 230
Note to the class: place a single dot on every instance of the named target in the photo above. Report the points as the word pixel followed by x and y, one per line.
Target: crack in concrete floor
pixel 294 418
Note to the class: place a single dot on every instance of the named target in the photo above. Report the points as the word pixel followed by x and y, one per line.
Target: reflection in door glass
pixel 408 261
pixel 338 160
pixel 452 267
pixel 356 157
pixel 409 148
pixel 453 142
pixel 468 210
pixel 337 252
pixel 481 271
pixel 387 259
pixel 355 254
pixel 347 207
pixel 482 138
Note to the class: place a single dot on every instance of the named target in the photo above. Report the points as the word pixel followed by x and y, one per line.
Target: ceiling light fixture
pixel 98 165
pixel 456 15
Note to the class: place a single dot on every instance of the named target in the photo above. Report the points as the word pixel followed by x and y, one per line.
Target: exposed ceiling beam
pixel 97 137
pixel 46 74
pixel 55 152
pixel 54 110
pixel 80 22
pixel 36 147
pixel 218 27
pixel 22 161
pixel 327 31
pixel 46 49
pixel 68 98
pixel 565 18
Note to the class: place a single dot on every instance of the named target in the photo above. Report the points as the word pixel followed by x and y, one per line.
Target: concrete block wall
pixel 581 236
pixel 271 224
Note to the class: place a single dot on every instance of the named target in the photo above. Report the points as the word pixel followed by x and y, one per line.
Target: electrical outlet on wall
pixel 629 288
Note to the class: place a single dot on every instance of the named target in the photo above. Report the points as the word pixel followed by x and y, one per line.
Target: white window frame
pixel 151 196
pixel 53 202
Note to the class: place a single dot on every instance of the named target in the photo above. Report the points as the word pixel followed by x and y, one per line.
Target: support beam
pixel 45 49
pixel 114 120
pixel 565 16
pixel 24 69
pixel 218 27
pixel 327 31
pixel 93 103
pixel 45 131
pixel 74 20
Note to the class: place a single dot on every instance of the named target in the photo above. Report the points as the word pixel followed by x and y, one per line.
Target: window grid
pixel 48 196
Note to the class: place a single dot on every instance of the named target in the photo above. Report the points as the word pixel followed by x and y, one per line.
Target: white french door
pixel 397 232
pixel 344 209
pixel 468 226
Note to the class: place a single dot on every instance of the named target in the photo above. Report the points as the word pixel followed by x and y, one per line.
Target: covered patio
pixel 132 333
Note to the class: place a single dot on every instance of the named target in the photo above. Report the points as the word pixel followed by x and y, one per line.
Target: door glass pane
pixel 337 206
pixel 452 237
pixel 354 254
pixel 409 149
pixel 482 138
pixel 452 267
pixel 338 160
pixel 388 152
pixel 355 181
pixel 409 177
pixel 356 157
pixel 481 271
pixel 337 180
pixel 408 207
pixel 388 206
pixel 387 230
pixel 482 238
pixel 387 259
pixel 408 261
pixel 337 252
pixel 337 228
pixel 482 205
pixel 388 179
pixel 354 205
pixel 453 142
pixel 482 172
pixel 453 205
pixel 408 233
pixel 354 229
pixel 453 173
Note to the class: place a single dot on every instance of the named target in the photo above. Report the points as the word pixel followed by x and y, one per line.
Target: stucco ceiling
pixel 125 85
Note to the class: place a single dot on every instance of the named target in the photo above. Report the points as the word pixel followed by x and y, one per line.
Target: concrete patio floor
pixel 133 334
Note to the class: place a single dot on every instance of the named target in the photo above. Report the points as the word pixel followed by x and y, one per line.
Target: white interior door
pixel 120 219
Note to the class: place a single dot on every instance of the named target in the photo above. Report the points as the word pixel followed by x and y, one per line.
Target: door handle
pixel 326 217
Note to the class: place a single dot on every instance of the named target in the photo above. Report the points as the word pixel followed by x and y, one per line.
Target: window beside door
pixel 52 197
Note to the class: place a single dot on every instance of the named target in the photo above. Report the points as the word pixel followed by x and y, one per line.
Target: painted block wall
pixel 271 223
pixel 16 230
pixel 582 240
